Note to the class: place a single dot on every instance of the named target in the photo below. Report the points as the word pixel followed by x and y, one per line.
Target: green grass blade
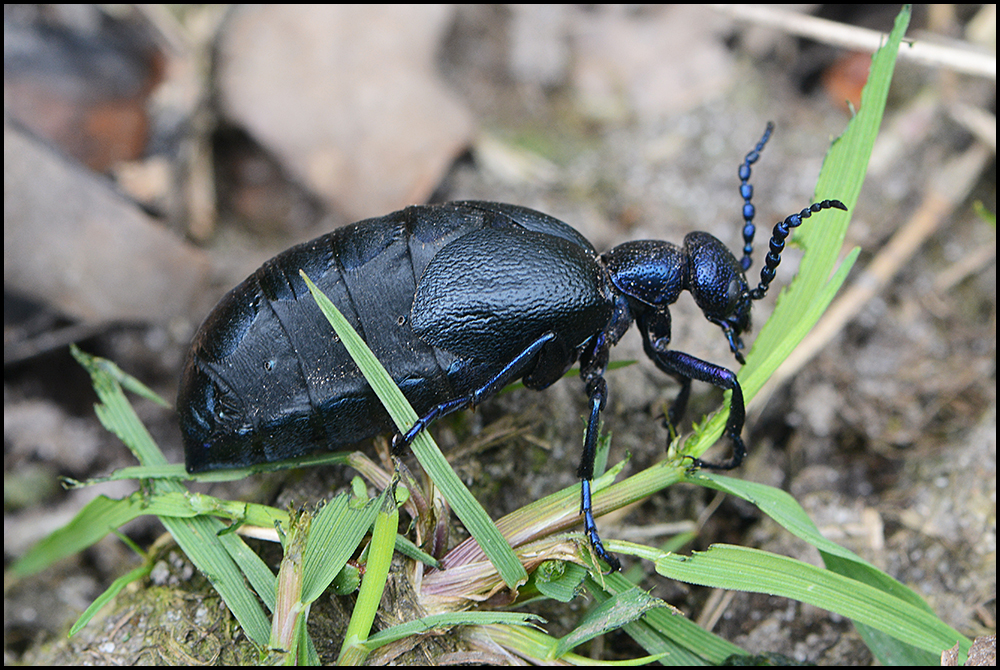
pixel 662 632
pixel 777 504
pixel 466 507
pixel 109 594
pixel 115 412
pixel 616 611
pixel 781 507
pixel 335 534
pixel 559 580
pixel 841 177
pixel 540 648
pixel 98 518
pixel 127 381
pixel 354 651
pixel 755 571
pixel 784 509
pixel 214 554
pixel 199 539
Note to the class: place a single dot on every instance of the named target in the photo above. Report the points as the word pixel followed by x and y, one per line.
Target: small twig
pixel 18 351
pixel 964 60
pixel 967 266
pixel 977 121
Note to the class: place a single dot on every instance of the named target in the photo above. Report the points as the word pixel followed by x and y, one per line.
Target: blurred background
pixel 155 156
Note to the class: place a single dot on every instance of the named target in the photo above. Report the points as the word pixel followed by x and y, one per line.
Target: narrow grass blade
pixel 677 639
pixel 200 540
pixel 98 518
pixel 618 610
pixel 540 648
pixel 127 381
pixel 109 594
pixel 784 509
pixel 199 537
pixel 354 652
pixel 433 461
pixel 744 569
pixel 450 620
pixel 336 532
pixel 781 507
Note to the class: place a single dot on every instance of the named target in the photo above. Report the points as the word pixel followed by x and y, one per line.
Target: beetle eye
pixel 733 295
pixel 733 290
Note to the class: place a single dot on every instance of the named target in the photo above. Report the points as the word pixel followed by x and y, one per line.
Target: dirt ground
pixel 627 123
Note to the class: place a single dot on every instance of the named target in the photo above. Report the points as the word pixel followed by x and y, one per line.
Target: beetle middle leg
pixel 593 364
pixel 511 372
pixel 597 390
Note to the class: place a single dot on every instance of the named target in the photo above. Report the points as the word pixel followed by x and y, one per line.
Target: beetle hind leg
pixel 514 370
pixel 400 441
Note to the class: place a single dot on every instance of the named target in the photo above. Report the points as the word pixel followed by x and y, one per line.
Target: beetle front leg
pixel 735 341
pixel 676 362
pixel 655 327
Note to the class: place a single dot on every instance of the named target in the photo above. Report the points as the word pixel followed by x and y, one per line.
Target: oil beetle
pixel 457 301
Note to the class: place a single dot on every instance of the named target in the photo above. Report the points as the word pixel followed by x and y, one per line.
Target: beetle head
pixel 717 282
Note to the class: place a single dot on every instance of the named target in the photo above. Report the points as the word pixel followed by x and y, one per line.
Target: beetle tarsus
pixel 590 528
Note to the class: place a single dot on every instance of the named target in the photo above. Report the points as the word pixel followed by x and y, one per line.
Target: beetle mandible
pixel 457 301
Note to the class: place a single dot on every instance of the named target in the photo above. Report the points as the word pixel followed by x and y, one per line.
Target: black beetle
pixel 457 301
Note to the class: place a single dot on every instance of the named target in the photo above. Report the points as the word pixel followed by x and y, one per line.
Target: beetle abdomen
pixel 265 379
